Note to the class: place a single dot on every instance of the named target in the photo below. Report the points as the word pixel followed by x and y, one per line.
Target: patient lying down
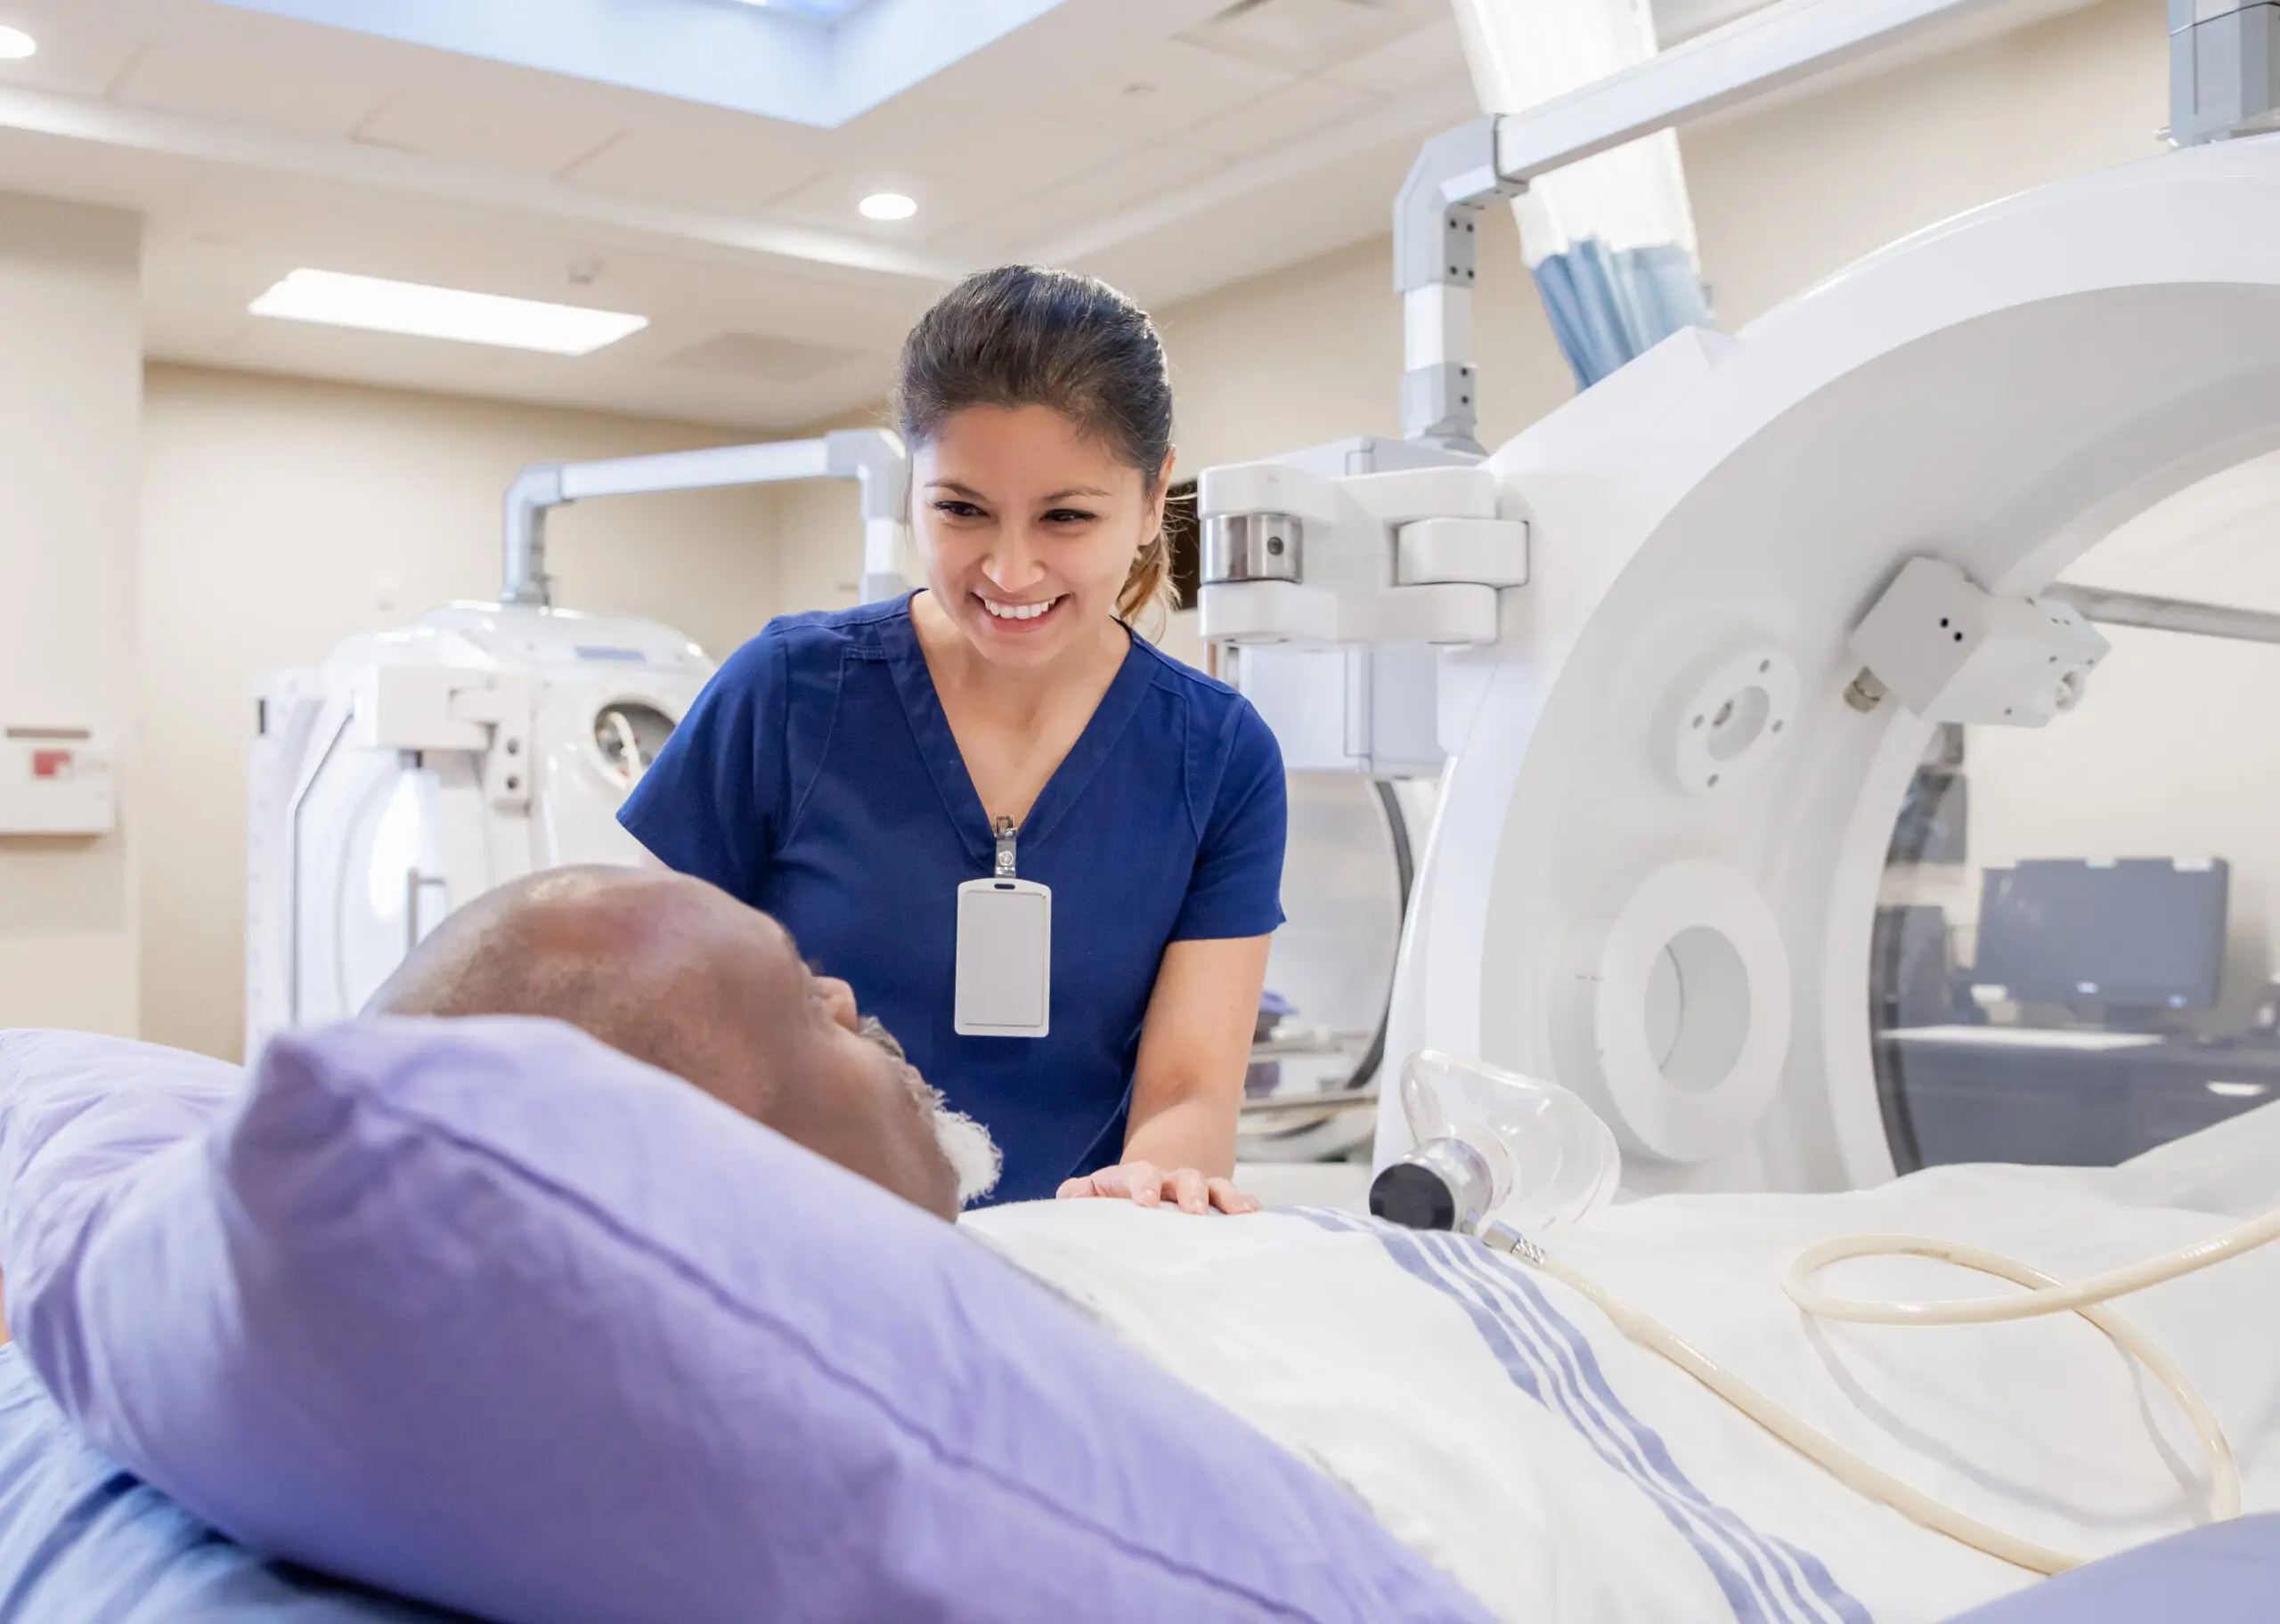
pixel 682 976
pixel 1492 1419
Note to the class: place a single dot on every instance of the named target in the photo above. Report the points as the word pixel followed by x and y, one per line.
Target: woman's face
pixel 1028 528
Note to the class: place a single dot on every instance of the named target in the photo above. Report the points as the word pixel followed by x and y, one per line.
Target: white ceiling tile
pixel 81 50
pixel 828 202
pixel 1012 151
pixel 1426 57
pixel 1274 120
pixel 995 239
pixel 1309 36
pixel 1103 189
pixel 764 357
pixel 536 131
pixel 1129 179
pixel 319 93
pixel 733 164
pixel 1163 90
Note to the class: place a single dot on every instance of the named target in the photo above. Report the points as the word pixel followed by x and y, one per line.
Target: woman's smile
pixel 1020 618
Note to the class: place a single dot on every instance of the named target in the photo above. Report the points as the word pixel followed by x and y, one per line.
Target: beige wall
pixel 279 516
pixel 1786 196
pixel 71 379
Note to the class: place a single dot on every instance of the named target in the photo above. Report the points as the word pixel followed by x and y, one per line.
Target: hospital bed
pixel 1492 1421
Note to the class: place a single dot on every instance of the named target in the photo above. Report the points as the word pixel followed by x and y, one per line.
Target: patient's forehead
pixel 763 950
pixel 771 937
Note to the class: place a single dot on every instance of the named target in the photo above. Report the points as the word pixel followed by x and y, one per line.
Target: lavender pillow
pixel 488 1314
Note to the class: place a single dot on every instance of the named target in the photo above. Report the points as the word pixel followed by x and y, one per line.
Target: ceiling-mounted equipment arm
pixel 871 457
pixel 1435 248
pixel 1459 171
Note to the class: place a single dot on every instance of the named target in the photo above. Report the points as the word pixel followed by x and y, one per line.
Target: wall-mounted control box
pixel 56 781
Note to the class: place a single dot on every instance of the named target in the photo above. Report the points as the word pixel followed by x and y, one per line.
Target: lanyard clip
pixel 1004 831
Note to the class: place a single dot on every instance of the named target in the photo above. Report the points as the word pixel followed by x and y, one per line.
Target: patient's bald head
pixel 682 975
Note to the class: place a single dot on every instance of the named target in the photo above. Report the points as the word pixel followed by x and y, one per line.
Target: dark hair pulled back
pixel 1026 336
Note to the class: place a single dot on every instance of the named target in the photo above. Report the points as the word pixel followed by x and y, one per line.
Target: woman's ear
pixel 1164 491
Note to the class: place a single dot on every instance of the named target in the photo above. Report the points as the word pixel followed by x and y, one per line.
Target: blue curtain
pixel 1608 307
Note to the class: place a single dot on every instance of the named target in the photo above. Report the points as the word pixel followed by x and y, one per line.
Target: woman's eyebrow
pixel 1060 496
pixel 953 486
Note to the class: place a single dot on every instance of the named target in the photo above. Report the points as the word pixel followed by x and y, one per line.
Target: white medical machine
pixel 416 769
pixel 1682 642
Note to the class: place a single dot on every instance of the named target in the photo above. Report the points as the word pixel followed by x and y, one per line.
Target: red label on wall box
pixel 51 764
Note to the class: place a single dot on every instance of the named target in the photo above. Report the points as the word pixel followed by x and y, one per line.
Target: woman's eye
pixel 957 510
pixel 1069 515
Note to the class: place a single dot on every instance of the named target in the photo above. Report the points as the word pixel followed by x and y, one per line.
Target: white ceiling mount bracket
pixel 1951 650
pixel 872 456
pixel 1729 721
pixel 1689 1015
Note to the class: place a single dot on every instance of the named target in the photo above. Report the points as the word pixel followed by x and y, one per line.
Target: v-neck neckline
pixel 938 745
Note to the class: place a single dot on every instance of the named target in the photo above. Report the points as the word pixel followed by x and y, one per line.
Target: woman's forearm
pixel 1193 1130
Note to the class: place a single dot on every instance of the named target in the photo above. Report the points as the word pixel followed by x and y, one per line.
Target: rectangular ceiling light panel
pixel 376 304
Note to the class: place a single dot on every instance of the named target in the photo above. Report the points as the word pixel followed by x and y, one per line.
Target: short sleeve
pixel 708 805
pixel 1237 887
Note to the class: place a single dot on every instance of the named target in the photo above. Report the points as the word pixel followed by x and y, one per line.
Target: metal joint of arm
pixel 1437 251
pixel 872 458
pixel 2224 69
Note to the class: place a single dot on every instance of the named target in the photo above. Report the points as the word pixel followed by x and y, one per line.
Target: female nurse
pixel 848 772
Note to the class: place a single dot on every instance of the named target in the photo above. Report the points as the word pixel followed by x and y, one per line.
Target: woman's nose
pixel 1014 566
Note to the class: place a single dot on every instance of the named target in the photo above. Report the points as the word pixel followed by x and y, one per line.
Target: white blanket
pixel 1502 1426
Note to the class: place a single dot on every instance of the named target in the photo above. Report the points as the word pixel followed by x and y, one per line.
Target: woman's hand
pixel 1145 1184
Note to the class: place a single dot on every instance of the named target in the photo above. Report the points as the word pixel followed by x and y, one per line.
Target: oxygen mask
pixel 1493 1147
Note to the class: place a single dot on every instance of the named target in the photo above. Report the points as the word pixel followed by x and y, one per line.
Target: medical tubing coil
pixel 2046 1294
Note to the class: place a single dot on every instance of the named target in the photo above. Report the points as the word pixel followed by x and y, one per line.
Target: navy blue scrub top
pixel 817 778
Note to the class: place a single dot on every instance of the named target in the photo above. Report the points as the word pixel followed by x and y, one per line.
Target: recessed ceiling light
pixel 378 305
pixel 887 206
pixel 15 45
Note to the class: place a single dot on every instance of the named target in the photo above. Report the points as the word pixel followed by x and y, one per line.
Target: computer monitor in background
pixel 2136 933
pixel 1908 967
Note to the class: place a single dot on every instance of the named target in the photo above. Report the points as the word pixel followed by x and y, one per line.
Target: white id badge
pixel 1004 985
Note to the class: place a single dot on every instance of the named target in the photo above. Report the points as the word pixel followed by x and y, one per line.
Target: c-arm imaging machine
pixel 1682 643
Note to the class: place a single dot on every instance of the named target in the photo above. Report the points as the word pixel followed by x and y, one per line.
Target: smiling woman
pixel 1046 855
